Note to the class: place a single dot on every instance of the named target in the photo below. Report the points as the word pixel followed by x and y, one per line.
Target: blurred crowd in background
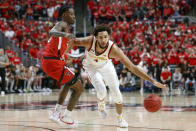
pixel 152 33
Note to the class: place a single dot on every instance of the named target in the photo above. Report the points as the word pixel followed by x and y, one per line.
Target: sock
pixel 58 107
pixel 67 113
pixel 119 116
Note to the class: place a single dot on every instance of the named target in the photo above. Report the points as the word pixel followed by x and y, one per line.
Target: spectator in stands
pixel 29 12
pixel 9 52
pixel 131 79
pixel 31 77
pixel 16 59
pixel 143 66
pixel 21 79
pixel 177 79
pixel 127 80
pixel 192 58
pixel 38 78
pixel 50 11
pixel 123 79
pixel 166 76
pixel 9 33
pixel 3 63
pixel 17 78
pixel 148 86
pixel 9 79
pixel 190 83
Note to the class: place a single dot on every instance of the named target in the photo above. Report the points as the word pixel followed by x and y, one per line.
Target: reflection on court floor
pixel 24 112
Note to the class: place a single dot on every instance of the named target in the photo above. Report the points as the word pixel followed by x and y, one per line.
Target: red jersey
pixel 55 47
pixel 52 65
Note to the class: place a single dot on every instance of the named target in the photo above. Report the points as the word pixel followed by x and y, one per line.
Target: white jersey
pixel 91 59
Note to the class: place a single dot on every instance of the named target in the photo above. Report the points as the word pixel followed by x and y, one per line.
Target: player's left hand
pixel 157 84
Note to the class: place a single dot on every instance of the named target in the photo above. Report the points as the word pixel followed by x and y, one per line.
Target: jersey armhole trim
pixel 110 51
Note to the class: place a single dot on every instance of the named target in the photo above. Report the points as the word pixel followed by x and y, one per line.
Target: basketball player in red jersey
pixel 56 68
pixel 97 63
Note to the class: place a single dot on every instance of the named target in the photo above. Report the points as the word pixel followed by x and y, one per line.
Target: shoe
pixel 16 91
pixel 12 91
pixel 25 90
pixel 101 109
pixel 48 89
pixel 121 122
pixel 68 121
pixel 2 93
pixel 20 90
pixel 55 116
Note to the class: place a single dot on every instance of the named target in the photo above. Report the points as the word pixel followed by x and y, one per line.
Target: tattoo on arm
pixel 57 30
pixel 59 34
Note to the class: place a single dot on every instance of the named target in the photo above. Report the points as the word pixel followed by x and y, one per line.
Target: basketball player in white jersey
pixel 101 71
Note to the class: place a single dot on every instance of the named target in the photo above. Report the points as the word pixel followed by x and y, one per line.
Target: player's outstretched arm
pixel 84 41
pixel 116 52
pixel 59 30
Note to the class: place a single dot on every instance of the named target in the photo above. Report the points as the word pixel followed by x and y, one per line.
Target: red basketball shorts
pixel 57 70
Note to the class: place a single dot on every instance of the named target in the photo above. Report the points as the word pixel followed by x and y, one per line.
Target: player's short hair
pixel 101 28
pixel 63 9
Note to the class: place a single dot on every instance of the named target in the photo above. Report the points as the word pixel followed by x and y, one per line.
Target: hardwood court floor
pixel 29 112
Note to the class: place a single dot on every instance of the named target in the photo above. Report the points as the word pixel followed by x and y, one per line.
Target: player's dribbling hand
pixel 157 84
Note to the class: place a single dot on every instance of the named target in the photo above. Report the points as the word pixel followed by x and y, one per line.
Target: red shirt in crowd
pixel 165 75
pixel 16 60
pixel 192 60
pixel 173 58
pixel 115 61
pixel 33 52
pixel 183 56
pixel 9 53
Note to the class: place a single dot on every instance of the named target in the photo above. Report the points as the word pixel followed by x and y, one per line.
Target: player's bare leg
pixel 75 95
pixel 63 93
pixel 66 117
pixel 119 108
pixel 77 90
pixel 56 114
pixel 121 122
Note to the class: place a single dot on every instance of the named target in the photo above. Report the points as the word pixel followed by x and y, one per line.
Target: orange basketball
pixel 152 103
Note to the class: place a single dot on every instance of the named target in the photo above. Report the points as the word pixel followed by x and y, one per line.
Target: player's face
pixel 69 16
pixel 103 38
